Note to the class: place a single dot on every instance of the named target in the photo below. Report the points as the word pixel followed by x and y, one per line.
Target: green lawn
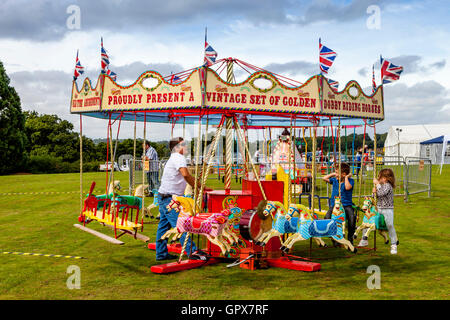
pixel 43 223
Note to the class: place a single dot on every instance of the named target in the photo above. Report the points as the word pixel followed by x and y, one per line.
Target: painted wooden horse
pixel 210 225
pixel 372 221
pixel 283 222
pixel 307 227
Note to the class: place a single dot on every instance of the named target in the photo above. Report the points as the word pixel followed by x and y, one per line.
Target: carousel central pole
pixel 228 136
pixel 313 166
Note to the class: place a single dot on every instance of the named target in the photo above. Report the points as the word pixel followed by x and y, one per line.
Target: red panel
pixel 272 189
pixel 216 197
pixel 285 263
pixel 183 265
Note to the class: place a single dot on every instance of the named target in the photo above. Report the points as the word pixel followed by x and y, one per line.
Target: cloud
pixel 46 20
pixel 293 68
pixel 424 100
pixel 363 72
pixel 133 70
pixel 48 92
pixel 327 10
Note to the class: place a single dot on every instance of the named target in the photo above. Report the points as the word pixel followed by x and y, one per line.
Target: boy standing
pixel 346 183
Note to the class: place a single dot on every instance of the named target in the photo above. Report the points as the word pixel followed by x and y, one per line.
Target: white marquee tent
pixel 405 140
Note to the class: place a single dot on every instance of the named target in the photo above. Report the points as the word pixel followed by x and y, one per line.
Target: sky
pixel 39 40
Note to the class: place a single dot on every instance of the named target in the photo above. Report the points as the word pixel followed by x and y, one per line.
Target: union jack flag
pixel 174 79
pixel 334 84
pixel 374 84
pixel 105 63
pixel 113 75
pixel 210 54
pixel 326 57
pixel 389 71
pixel 79 70
pixel 104 59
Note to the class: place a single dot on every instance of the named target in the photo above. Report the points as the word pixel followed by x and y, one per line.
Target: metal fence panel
pixel 417 176
pixel 135 174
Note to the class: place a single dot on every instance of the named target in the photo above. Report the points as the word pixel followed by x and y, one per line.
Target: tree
pixel 50 135
pixel 12 127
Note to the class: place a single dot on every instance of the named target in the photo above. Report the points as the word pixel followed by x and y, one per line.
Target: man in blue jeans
pixel 173 182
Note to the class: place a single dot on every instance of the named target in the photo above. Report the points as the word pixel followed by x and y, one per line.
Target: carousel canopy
pixel 263 99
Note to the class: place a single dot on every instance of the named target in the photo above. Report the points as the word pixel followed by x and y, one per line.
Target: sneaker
pixel 394 249
pixel 363 243
pixel 168 257
pixel 199 255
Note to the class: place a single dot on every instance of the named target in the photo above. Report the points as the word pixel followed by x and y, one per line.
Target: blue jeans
pixel 167 220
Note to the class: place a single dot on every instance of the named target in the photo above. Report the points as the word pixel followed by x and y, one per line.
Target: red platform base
pixel 285 263
pixel 172 248
pixel 183 265
pixel 282 262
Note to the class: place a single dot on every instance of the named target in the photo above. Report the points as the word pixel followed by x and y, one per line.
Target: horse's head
pixel 338 205
pixel 272 207
pixel 226 212
pixel 337 202
pixel 269 209
pixel 174 204
pixel 187 204
pixel 114 186
pixel 295 210
pixel 367 204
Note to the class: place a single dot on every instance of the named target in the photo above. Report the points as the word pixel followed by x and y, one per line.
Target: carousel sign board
pixel 260 93
pixel 152 92
pixel 87 99
pixel 352 102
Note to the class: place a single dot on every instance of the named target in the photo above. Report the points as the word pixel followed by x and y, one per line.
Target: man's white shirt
pixel 172 181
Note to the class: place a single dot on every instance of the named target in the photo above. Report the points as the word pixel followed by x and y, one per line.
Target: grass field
pixel 42 223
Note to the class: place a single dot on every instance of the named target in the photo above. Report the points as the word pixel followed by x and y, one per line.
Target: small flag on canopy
pixel 105 63
pixel 374 84
pixel 389 71
pixel 104 58
pixel 210 54
pixel 113 75
pixel 326 57
pixel 334 84
pixel 174 79
pixel 79 70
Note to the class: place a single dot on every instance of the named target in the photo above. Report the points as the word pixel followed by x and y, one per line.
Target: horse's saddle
pixel 380 223
pixel 323 228
pixel 197 222
pixel 291 226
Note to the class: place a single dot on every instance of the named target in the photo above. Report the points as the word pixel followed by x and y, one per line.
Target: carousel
pixel 257 225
